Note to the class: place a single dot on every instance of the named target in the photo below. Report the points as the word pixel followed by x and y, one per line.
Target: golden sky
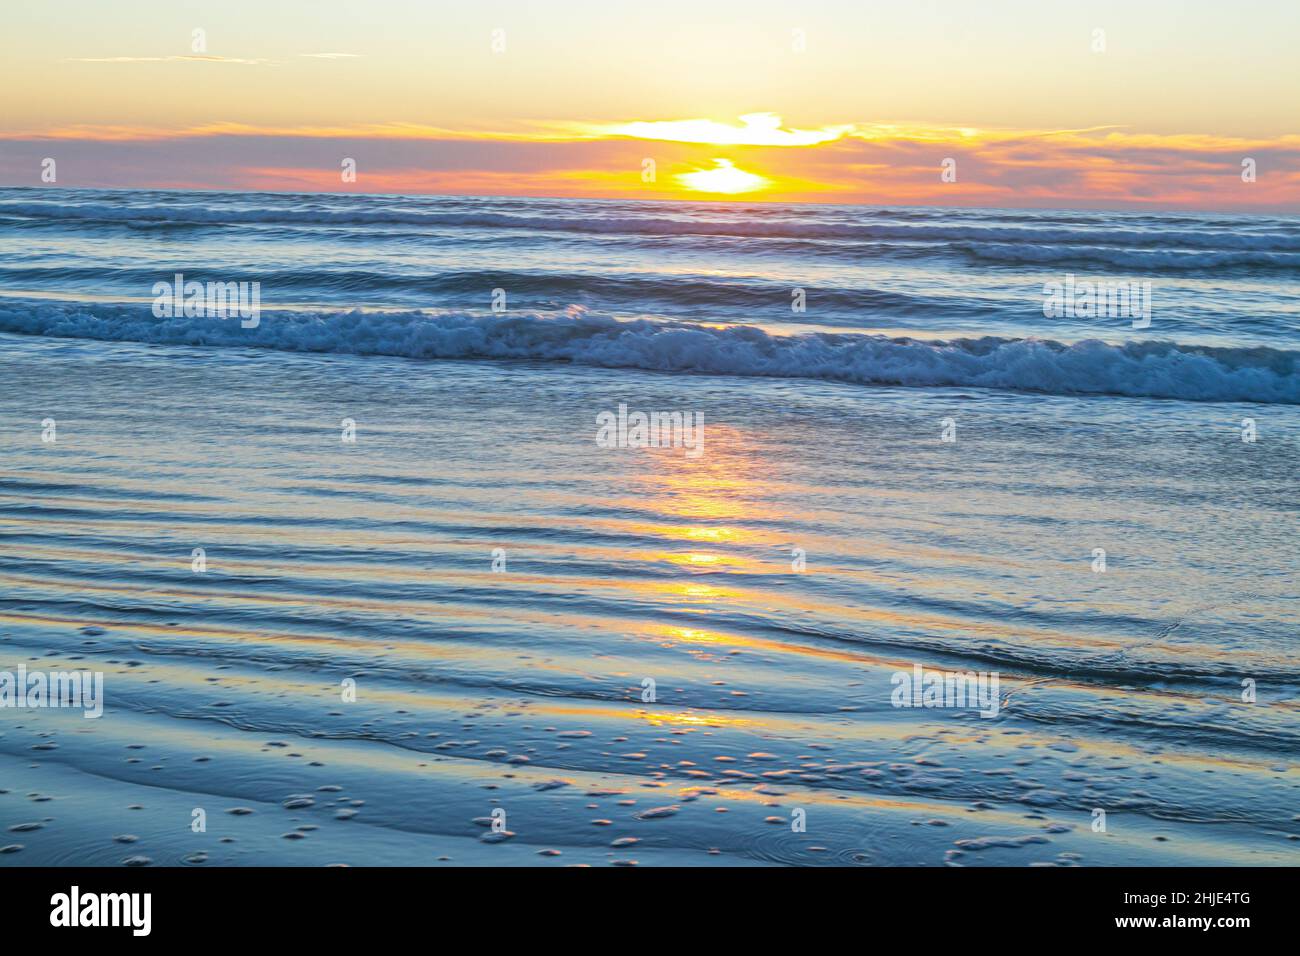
pixel 1105 104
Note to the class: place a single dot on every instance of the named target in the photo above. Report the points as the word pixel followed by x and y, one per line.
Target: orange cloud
pixel 898 163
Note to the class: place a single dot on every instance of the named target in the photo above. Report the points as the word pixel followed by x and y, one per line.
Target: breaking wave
pixel 1092 367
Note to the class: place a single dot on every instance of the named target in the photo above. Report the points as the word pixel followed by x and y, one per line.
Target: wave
pixel 1130 260
pixel 409 214
pixel 1140 369
pixel 638 292
pixel 861 250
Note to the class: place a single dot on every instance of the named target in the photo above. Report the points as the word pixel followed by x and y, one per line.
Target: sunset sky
pixel 824 102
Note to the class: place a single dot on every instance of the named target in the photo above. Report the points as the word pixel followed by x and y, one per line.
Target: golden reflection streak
pixel 689 595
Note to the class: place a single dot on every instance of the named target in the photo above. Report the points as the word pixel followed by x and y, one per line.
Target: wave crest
pixel 667 222
pixel 1141 369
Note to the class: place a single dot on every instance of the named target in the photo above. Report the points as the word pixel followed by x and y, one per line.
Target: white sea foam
pixel 1140 368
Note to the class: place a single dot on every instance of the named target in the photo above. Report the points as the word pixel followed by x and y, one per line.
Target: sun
pixel 723 178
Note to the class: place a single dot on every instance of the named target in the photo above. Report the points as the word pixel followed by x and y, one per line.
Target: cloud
pixel 756 129
pixel 898 164
pixel 201 57
pixel 530 132
pixel 330 56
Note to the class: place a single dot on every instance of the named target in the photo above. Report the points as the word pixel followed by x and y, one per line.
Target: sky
pixel 1137 104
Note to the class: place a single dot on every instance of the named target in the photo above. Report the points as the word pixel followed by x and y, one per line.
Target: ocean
pixel 367 583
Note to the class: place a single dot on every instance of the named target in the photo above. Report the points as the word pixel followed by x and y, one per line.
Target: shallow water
pixel 520 689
